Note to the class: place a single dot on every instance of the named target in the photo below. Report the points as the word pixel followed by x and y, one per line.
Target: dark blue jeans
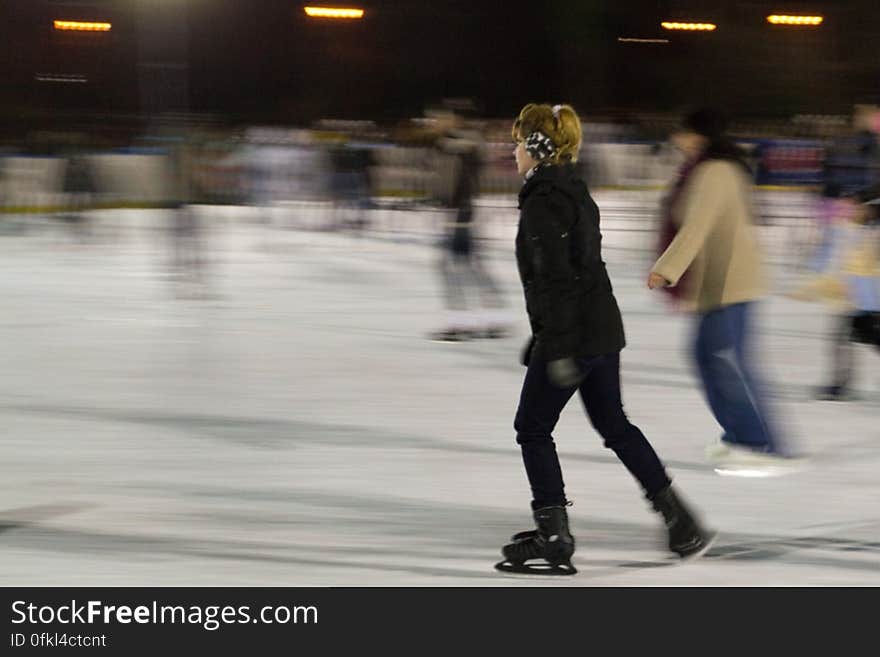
pixel 540 404
pixel 731 384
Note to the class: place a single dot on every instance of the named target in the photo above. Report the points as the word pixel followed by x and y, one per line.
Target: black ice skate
pixel 687 538
pixel 551 542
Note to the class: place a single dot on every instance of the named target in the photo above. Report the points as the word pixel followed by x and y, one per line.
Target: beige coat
pixel 716 242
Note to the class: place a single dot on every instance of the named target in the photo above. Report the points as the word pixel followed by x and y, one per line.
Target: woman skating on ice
pixel 577 336
pixel 712 261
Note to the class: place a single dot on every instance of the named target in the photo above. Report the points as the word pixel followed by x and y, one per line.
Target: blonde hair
pixel 562 126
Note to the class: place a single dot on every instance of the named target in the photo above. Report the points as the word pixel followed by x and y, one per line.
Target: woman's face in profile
pixel 689 143
pixel 524 161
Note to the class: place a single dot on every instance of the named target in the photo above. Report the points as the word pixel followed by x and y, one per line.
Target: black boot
pixel 533 533
pixel 687 538
pixel 552 542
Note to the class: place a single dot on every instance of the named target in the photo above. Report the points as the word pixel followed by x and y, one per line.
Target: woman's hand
pixel 564 373
pixel 655 280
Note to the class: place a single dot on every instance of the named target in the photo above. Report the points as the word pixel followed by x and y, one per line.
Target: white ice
pixel 297 428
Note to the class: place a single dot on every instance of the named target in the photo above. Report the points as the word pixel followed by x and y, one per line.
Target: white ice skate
pixel 736 461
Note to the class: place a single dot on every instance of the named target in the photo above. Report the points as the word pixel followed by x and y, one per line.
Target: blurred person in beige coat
pixel 711 263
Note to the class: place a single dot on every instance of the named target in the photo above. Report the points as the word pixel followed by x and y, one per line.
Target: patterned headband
pixel 539 146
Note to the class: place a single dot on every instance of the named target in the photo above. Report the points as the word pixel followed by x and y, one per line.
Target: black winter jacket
pixel 571 306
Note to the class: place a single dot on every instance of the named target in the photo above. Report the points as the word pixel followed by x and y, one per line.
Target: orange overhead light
pixel 83 26
pixel 690 27
pixel 334 12
pixel 807 21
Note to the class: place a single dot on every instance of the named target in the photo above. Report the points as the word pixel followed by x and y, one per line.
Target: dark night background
pixel 264 60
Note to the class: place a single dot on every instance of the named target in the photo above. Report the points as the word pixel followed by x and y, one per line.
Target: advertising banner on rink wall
pixel 788 161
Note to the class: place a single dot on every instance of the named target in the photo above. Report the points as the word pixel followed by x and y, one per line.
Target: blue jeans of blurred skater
pixel 730 382
pixel 540 404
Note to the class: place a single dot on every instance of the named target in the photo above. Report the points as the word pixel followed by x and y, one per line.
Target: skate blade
pixel 561 569
pixel 693 556
pixel 757 466
pixel 748 472
pixel 762 471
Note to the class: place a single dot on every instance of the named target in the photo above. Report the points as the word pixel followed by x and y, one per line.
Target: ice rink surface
pixel 297 428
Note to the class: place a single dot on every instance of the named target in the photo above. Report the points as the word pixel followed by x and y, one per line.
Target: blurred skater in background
pixel 475 303
pixel 710 263
pixel 849 282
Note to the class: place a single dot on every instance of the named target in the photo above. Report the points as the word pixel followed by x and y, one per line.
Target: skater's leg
pixel 199 248
pixel 540 404
pixel 873 329
pixel 758 397
pixel 728 381
pixel 709 337
pixel 188 243
pixel 600 393
pixel 458 322
pixel 491 295
pixel 461 251
pixel 842 353
pixel 494 316
pixel 176 232
pixel 453 287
